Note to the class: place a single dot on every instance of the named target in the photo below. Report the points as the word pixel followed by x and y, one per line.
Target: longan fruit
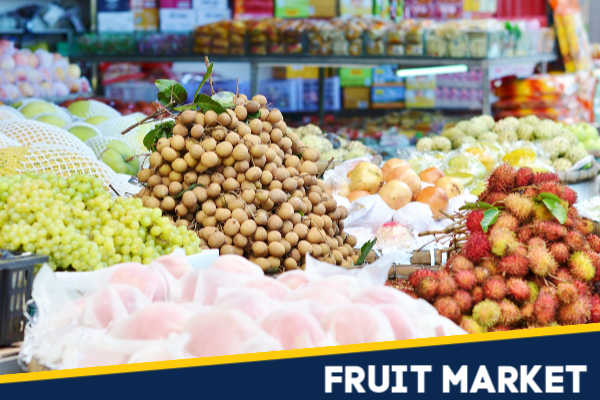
pixel 258 150
pixel 285 143
pixel 177 142
pixel 255 126
pixel 275 185
pixel 200 215
pixel 210 118
pixel 248 228
pixel 260 249
pixel 253 174
pixel 287 226
pixel 155 160
pixel 168 154
pixel 275 263
pixel 189 200
pixel 234 203
pixel 216 240
pixel 319 209
pixel 265 138
pixel 144 174
pixel 239 215
pixel 252 106
pixel 162 143
pixel 248 195
pixel 292 238
pixel 227 249
pixel 189 160
pixel 309 167
pixel 275 222
pixel 231 227
pixel 316 250
pixel 196 151
pixel 266 177
pixel 241 166
pixel 175 188
pixel 243 129
pixel 310 154
pixel 230 185
pixel 276 249
pixel 281 174
pixel 187 117
pixel 224 119
pixel 160 191
pixel 240 240
pixel 285 211
pixel 260 161
pixel 267 127
pixel 276 135
pixel 277 196
pixel 260 234
pixel 203 180
pixel 180 130
pixel 296 218
pixel 179 165
pixel 209 221
pixel 304 247
pixel 260 99
pixel 240 152
pixel 213 190
pixel 219 134
pixel 241 112
pixel 209 208
pixel 197 131
pixel 290 184
pixel 292 161
pixel 286 245
pixel 281 125
pixel 263 114
pixel 301 230
pixel 164 170
pixel 181 210
pixel 261 217
pixel 175 176
pixel 168 203
pixel 209 144
pixel 251 140
pixel 190 177
pixel 209 159
pixel 150 202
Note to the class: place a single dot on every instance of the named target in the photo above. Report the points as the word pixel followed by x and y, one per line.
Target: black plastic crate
pixel 16 278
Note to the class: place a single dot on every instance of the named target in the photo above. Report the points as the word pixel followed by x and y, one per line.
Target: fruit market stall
pixel 211 214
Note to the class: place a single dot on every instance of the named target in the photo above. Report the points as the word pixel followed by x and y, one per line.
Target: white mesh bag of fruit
pixel 54 159
pixel 7 112
pixel 28 132
pixel 5 141
pixel 99 143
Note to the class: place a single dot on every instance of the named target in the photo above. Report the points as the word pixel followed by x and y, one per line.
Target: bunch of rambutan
pixel 527 269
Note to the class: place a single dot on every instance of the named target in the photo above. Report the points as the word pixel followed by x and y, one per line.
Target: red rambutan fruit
pixel 427 288
pixel 582 288
pixel 493 197
pixel 502 179
pixel 525 233
pixel 464 300
pixel 474 221
pixel 481 273
pixel 419 274
pixel 446 284
pixel 566 292
pixel 477 247
pixel 518 289
pixel 514 265
pixel 595 309
pixel 541 261
pixel 594 242
pixel 502 241
pixel 560 252
pixel 486 313
pixel 576 312
pixel 527 311
pixel 545 306
pixel 542 177
pixel 581 266
pixel 524 177
pixel 465 279
pixel 500 328
pixel 477 294
pixel 530 192
pixel 541 213
pixel 536 242
pixel 563 275
pixel 563 192
pixel 507 220
pixel 576 241
pixel 494 287
pixel 550 230
pixel 584 226
pixel 447 307
pixel 509 312
pixel 520 206
pixel 470 325
pixel 458 262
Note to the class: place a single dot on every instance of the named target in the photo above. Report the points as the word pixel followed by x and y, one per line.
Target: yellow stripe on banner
pixel 287 354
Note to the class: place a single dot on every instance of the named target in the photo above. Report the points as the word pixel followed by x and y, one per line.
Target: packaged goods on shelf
pixel 356 97
pixel 331 94
pixel 564 97
pixel 572 36
pixel 24 73
pixel 355 77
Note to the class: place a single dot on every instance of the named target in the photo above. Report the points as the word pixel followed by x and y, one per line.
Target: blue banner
pixel 540 363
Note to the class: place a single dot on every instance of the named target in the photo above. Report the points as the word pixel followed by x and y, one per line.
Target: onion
pixel 396 194
pixel 365 176
pixel 431 175
pixel 412 180
pixel 436 198
pixel 393 168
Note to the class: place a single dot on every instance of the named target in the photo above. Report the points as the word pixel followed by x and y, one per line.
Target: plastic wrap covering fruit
pixel 572 35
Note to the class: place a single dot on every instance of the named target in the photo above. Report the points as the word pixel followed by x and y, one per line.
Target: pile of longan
pixel 248 186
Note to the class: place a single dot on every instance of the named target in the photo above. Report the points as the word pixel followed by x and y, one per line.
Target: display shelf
pixel 256 61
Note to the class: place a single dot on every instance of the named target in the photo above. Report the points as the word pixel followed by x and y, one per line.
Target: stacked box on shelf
pixel 420 92
pixel 284 95
pixel 388 89
pixel 460 90
pixel 291 8
pixel 355 77
pixel 356 98
pixel 209 11
pixel 252 9
pixel 114 16
pixel 145 15
pixel 322 8
pixel 331 93
pixel 176 16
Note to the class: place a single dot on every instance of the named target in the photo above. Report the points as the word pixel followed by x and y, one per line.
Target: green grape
pixel 78 225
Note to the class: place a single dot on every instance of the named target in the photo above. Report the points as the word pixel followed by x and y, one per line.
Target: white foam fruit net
pixel 53 159
pixel 7 112
pixel 98 144
pixel 5 141
pixel 28 132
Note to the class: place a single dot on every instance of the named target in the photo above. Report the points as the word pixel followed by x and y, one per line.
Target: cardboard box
pixel 145 19
pixel 420 98
pixel 205 17
pixel 386 74
pixel 322 8
pixel 356 97
pixel 296 71
pixel 421 82
pixel 177 20
pixel 358 8
pixel 355 77
pixel 387 94
pixel 291 8
pixel 114 16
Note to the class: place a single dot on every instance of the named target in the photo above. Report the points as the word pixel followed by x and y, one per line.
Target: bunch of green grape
pixel 77 223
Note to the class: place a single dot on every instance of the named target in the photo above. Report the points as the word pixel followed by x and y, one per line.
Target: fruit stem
pixel 210 81
pixel 136 156
pixel 148 118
